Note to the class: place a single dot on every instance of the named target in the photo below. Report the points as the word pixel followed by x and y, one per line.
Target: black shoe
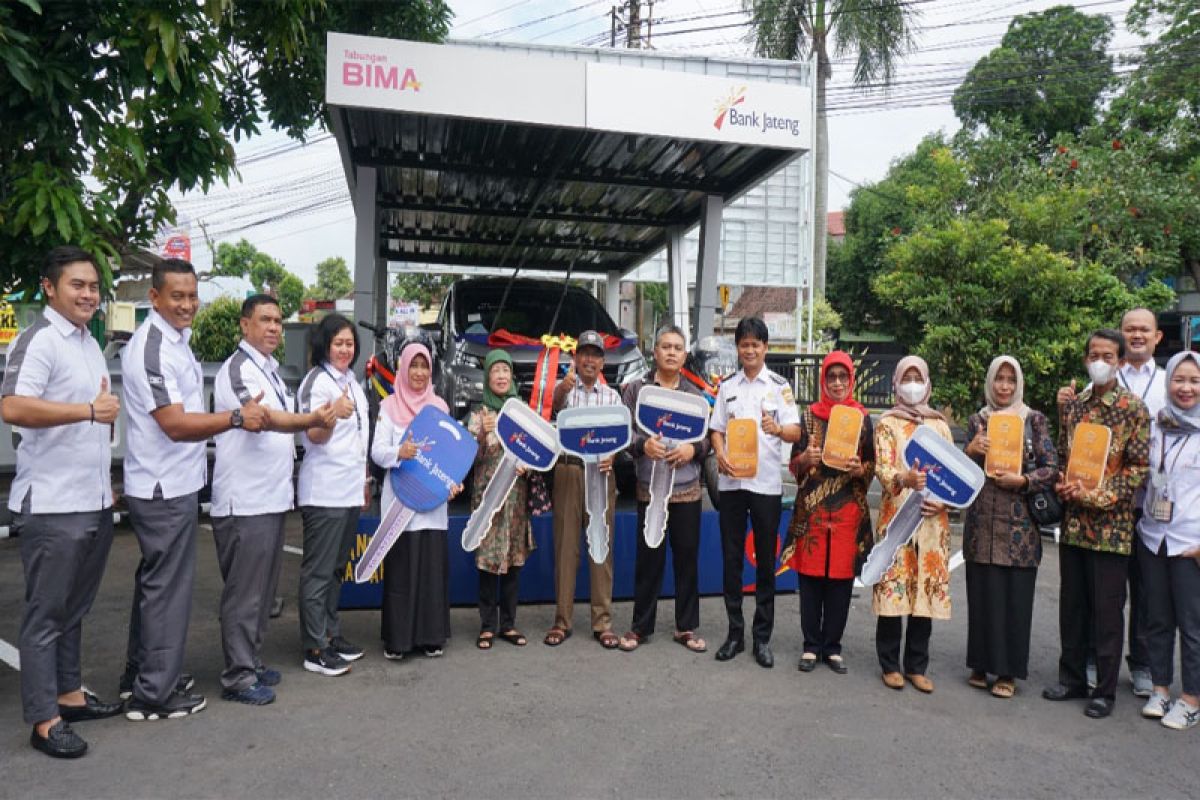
pixel 730 648
pixel 808 662
pixel 185 684
pixel 179 704
pixel 93 708
pixel 1100 707
pixel 1062 692
pixel 325 662
pixel 59 742
pixel 346 651
pixel 836 663
pixel 763 655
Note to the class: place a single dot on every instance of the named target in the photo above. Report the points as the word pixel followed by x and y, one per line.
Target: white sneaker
pixel 1182 716
pixel 1157 706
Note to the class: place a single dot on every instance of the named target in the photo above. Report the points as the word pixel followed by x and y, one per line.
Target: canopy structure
pixel 549 158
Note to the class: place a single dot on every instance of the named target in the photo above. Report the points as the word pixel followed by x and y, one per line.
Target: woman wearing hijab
pixel 509 540
pixel 830 532
pixel 917 586
pixel 1001 543
pixel 416 571
pixel 1169 546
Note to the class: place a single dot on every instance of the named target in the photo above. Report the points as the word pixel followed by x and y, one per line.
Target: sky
pixel 292 201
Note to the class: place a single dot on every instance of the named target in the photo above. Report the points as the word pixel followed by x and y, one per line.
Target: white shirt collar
pixel 1149 368
pixel 265 362
pixel 170 331
pixel 61 324
pixel 760 377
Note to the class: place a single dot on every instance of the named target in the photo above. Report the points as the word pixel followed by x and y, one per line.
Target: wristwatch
pixel 235 418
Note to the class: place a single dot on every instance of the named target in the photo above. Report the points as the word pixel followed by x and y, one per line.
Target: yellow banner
pixel 742 447
pixel 841 437
pixel 1006 441
pixel 1089 455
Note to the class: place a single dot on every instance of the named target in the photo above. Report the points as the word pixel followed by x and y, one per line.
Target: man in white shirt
pixel 1141 376
pixel 55 389
pixel 251 495
pixel 164 471
pixel 760 395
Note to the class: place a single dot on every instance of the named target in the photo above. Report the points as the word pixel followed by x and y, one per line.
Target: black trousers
pixel 1171 598
pixel 683 535
pixel 888 633
pixel 824 609
pixel 498 599
pixel 763 511
pixel 1091 608
pixel 1138 656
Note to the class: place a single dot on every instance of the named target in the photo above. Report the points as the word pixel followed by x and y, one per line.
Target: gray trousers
pixel 1171 598
pixel 162 594
pixel 64 557
pixel 329 535
pixel 248 552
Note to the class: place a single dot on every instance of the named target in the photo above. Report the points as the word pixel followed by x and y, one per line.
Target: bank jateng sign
pixel 749 117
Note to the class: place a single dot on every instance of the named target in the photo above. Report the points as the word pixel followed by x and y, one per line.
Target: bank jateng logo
pixel 591 437
pixel 372 69
pixel 728 112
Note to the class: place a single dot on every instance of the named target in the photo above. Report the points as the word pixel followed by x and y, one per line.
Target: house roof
pixel 836 223
pixel 758 300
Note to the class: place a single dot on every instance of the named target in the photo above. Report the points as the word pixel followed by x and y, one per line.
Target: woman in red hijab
pixel 830 533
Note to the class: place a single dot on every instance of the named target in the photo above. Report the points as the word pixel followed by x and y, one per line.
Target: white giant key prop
pixel 528 441
pixel 680 418
pixel 950 478
pixel 593 433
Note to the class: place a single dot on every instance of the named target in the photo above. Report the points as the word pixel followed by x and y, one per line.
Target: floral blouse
pixel 510 539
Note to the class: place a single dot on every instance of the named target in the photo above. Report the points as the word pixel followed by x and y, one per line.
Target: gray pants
pixel 1171 598
pixel 162 603
pixel 248 551
pixel 64 557
pixel 328 537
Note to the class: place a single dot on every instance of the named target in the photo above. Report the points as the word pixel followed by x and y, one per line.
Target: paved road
pixel 578 721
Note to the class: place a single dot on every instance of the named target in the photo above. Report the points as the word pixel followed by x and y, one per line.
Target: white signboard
pixel 686 106
pixel 421 78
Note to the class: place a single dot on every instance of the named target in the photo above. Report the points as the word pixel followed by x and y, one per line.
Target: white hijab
pixel 1016 405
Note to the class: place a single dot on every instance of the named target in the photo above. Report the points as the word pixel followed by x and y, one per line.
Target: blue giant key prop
pixel 950 478
pixel 680 418
pixel 445 452
pixel 528 441
pixel 592 434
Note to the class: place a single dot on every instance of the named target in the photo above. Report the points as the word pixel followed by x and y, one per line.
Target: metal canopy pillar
pixel 612 296
pixel 705 304
pixel 370 271
pixel 676 280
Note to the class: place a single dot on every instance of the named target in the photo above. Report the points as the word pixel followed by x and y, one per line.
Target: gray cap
pixel 590 339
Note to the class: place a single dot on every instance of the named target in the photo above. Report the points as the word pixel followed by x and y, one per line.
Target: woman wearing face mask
pixel 917 587
pixel 416 571
pixel 1169 547
pixel 1001 544
pixel 509 540
pixel 830 532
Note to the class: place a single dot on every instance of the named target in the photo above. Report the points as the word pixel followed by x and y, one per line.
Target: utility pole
pixel 628 18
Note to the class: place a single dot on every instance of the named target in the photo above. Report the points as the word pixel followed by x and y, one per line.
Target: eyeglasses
pixel 837 378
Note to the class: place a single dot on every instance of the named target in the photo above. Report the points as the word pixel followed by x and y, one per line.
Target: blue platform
pixel 537 576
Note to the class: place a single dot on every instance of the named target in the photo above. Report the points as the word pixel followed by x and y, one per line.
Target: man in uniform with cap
pixel 583 386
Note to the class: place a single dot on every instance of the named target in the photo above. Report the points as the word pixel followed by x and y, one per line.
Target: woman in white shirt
pixel 331 491
pixel 416 571
pixel 1169 547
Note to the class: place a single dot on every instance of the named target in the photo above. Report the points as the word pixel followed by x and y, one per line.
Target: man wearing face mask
pixel 1098 526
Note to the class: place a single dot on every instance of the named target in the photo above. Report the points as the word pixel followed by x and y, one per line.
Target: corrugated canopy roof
pixel 484 182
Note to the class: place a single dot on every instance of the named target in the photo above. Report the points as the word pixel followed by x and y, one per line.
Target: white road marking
pixel 9 655
pixel 3 531
pixel 296 551
pixel 956 560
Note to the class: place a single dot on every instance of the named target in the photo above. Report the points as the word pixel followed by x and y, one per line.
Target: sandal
pixel 1004 688
pixel 978 680
pixel 484 641
pixel 630 641
pixel 607 639
pixel 691 641
pixel 514 637
pixel 556 636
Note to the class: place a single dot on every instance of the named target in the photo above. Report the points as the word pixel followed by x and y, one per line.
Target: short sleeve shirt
pixel 64 468
pixel 158 370
pixel 741 397
pixel 332 473
pixel 252 473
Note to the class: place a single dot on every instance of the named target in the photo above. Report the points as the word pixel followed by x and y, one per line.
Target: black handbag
pixel 1045 509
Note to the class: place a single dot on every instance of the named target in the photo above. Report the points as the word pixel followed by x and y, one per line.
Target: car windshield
pixel 528 310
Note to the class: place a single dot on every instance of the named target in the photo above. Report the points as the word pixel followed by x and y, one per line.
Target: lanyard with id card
pixel 1162 507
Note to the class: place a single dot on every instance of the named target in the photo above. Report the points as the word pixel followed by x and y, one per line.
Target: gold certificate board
pixel 742 447
pixel 1006 441
pixel 1089 455
pixel 841 437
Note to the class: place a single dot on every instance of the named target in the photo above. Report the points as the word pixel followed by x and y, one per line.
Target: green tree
pixel 978 292
pixel 333 280
pixel 877 34
pixel 109 104
pixel 1048 73
pixel 244 260
pixel 217 329
pixel 424 288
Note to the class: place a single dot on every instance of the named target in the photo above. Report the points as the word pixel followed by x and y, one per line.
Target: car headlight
pixel 632 371
pixel 464 359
